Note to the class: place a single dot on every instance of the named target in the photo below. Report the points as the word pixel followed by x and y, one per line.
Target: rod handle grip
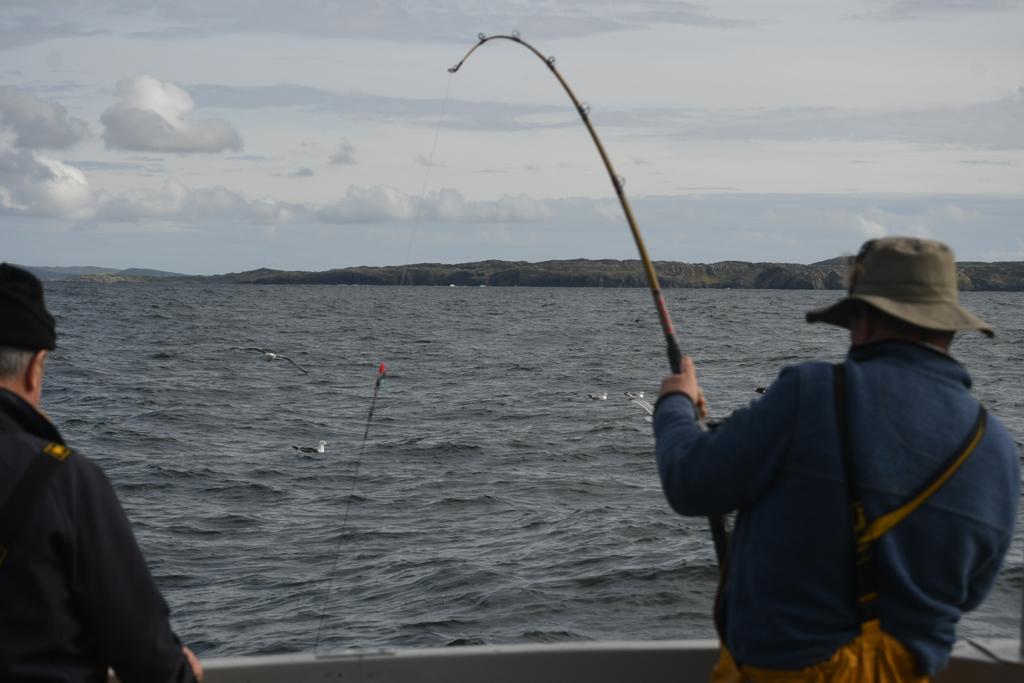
pixel 675 353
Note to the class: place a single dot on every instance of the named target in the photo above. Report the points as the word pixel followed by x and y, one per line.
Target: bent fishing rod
pixel 719 533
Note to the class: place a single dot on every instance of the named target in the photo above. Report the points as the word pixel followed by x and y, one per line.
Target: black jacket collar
pixel 16 414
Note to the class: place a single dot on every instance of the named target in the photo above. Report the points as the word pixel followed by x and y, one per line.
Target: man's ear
pixel 34 374
pixel 862 326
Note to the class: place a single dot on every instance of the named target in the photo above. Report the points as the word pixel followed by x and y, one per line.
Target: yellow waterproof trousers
pixel 872 657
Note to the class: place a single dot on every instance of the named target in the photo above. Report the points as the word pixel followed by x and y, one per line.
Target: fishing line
pixel 381 374
pixel 426 179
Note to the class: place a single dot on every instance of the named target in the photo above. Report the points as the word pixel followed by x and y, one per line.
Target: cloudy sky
pixel 209 136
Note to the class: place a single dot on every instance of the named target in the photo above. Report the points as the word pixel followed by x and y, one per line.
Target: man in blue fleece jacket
pixel 790 596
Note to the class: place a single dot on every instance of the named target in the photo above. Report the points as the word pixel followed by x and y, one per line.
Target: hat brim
pixel 941 316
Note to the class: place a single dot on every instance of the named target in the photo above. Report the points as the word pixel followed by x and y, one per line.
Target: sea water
pixel 491 501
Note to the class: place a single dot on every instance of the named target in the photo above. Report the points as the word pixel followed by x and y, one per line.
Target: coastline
pixel 830 274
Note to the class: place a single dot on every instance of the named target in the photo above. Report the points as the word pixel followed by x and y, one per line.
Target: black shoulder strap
pixel 27 491
pixel 863 572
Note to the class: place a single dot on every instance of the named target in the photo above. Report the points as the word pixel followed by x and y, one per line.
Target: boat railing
pixel 668 661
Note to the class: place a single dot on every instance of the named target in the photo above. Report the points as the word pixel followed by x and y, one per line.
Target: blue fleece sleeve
pixel 711 473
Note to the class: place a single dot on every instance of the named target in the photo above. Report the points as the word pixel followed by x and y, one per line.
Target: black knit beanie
pixel 24 321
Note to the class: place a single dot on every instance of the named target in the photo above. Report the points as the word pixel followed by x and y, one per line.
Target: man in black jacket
pixel 76 596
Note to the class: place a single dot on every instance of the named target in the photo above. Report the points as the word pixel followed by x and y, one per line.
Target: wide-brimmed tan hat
pixel 909 278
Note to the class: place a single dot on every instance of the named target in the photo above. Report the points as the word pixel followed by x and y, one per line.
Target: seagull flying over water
pixel 646 405
pixel 311 449
pixel 603 396
pixel 269 355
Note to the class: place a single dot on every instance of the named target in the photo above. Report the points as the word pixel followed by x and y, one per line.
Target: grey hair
pixel 13 362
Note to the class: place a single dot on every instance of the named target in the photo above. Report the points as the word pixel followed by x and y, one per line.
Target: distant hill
pixel 837 261
pixel 65 272
pixel 92 272
pixel 830 274
pixel 147 272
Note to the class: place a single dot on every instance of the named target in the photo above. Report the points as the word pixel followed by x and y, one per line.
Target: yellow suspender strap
pixel 865 532
pixel 882 524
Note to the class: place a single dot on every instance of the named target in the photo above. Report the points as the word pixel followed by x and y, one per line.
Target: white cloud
pixel 176 202
pixel 38 123
pixel 223 204
pixel 38 186
pixel 705 228
pixel 345 156
pixel 956 213
pixel 448 205
pixel 150 116
pixel 608 211
pixel 869 228
pixel 385 204
pixel 31 184
pixel 35 185
pixel 142 204
pixel 369 205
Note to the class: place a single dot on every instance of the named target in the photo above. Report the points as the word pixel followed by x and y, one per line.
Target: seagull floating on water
pixel 603 396
pixel 633 394
pixel 269 355
pixel 311 449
